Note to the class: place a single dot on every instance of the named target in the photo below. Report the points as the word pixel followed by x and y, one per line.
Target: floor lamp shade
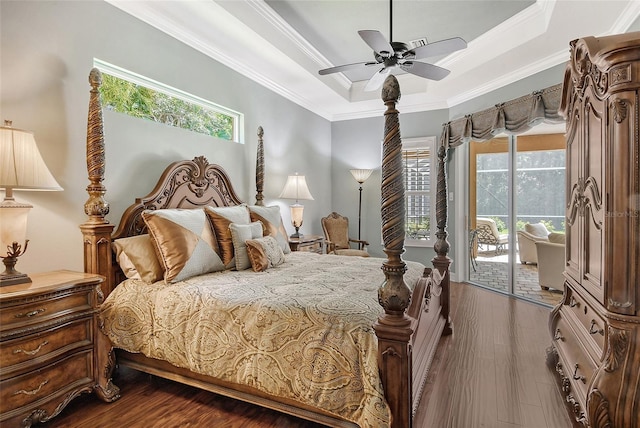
pixel 296 188
pixel 361 175
pixel 21 168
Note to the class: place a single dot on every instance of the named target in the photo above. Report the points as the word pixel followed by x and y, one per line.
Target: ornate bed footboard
pixel 413 321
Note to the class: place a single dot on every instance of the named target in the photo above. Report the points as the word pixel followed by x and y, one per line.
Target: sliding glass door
pixel 516 201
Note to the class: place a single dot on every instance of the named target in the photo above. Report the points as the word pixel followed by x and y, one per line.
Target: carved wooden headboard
pixel 183 184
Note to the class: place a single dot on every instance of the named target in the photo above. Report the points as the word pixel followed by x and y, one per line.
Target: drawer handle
pixel 33 391
pixel 573 302
pixel 577 377
pixel 593 330
pixel 558 336
pixel 30 314
pixel 34 352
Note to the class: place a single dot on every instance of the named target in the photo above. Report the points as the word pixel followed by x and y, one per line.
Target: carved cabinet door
pixel 592 210
pixel 575 137
pixel 622 215
pixel 585 213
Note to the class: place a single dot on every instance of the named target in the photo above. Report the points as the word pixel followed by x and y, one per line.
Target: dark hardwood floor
pixel 490 373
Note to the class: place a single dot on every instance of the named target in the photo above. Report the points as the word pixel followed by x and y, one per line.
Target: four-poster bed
pixel 414 310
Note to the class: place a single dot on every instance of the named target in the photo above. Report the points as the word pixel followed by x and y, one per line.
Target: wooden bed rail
pixel 395 327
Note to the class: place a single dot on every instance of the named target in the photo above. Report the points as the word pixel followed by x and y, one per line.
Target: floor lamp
pixel 361 176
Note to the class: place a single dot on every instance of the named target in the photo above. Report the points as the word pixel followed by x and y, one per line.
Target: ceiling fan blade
pixel 377 42
pixel 377 79
pixel 428 71
pixel 441 47
pixel 346 67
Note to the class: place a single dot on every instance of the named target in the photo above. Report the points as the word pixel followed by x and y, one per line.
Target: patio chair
pixel 551 262
pixel 527 239
pixel 487 234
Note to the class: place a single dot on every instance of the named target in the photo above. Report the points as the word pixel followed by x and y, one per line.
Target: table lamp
pixel 21 168
pixel 296 188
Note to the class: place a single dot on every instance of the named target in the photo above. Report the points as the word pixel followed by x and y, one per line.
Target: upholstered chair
pixel 336 233
pixel 487 234
pixel 551 261
pixel 527 239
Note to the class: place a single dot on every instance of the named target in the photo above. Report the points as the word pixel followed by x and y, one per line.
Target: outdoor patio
pixel 491 271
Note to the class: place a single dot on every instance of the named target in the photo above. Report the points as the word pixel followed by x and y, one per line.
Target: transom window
pixel 138 96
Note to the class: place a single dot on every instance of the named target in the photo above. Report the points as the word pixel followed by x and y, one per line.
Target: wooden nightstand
pixel 312 243
pixel 48 338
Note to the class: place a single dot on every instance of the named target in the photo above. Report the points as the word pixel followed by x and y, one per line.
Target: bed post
pixel 441 261
pixel 393 328
pixel 260 168
pixel 96 231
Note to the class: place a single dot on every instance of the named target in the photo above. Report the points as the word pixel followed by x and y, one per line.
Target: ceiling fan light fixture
pixel 390 54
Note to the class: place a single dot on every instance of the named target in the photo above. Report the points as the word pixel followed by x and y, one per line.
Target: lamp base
pixel 297 234
pixel 14 278
pixel 11 276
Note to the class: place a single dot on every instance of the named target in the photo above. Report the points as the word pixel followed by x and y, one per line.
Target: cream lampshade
pixel 361 175
pixel 296 188
pixel 21 168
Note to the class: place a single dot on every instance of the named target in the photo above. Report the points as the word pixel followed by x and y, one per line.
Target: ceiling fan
pixel 390 55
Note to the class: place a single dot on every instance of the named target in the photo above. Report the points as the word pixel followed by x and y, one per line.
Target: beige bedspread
pixel 302 330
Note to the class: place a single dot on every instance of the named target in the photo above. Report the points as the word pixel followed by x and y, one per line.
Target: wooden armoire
pixel 596 328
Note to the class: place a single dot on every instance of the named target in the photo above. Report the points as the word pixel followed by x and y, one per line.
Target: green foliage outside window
pixel 138 101
pixel 418 229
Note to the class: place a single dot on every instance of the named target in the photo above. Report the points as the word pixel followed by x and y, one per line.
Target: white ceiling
pixel 282 44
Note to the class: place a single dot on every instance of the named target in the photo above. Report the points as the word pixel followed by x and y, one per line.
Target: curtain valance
pixel 515 116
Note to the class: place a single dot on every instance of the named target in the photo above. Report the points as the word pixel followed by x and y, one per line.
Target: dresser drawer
pixel 20 354
pixel 314 247
pixel 42 310
pixel 592 324
pixel 577 366
pixel 67 374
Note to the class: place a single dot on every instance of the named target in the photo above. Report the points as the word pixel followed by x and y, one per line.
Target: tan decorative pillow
pixel 536 229
pixel 184 242
pixel 137 258
pixel 557 238
pixel 240 233
pixel 221 218
pixel 272 221
pixel 264 253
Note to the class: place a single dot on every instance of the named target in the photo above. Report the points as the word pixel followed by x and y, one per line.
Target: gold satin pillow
pixel 221 218
pixel 264 253
pixel 184 242
pixel 272 223
pixel 137 258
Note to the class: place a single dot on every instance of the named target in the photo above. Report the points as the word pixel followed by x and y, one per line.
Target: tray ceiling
pixel 282 44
